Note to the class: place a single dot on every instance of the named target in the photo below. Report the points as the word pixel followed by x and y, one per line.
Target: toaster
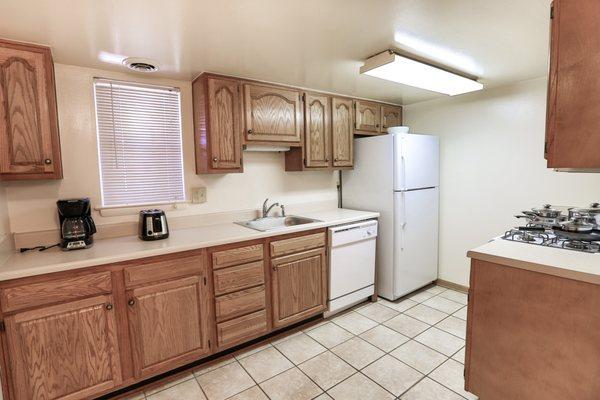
pixel 153 225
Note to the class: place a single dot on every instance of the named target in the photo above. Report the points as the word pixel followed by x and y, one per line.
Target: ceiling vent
pixel 140 64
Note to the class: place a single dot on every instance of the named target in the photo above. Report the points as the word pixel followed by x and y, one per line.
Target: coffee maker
pixel 76 224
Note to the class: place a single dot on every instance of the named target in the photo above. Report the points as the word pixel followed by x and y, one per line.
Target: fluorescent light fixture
pixel 393 67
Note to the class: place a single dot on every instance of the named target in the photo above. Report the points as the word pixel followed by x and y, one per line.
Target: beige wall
pixel 492 166
pixel 31 205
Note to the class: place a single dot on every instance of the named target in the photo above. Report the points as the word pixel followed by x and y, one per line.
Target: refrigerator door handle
pixel 403 223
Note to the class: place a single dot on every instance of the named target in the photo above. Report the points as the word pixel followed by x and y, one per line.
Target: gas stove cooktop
pixel 548 238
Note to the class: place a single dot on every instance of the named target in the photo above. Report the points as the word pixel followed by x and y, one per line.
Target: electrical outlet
pixel 199 195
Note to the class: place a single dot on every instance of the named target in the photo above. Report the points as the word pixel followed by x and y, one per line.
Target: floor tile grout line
pixel 297 365
pixel 251 377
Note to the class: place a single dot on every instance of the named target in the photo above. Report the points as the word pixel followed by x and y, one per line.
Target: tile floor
pixel 412 349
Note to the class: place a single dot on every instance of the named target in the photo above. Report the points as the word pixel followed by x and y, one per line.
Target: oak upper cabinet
pixel 342 136
pixel 298 278
pixel 367 117
pixel 390 116
pixel 168 324
pixel 29 139
pixel 573 114
pixel 317 128
pixel 272 114
pixel 65 351
pixel 217 124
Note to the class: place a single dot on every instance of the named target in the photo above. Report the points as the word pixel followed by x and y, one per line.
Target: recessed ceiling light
pixel 140 64
pixel 396 68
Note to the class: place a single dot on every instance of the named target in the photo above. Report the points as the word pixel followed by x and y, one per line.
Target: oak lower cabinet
pixel 76 335
pixel 168 324
pixel 65 351
pixel 217 124
pixel 573 111
pixel 29 139
pixel 272 114
pixel 239 281
pixel 299 279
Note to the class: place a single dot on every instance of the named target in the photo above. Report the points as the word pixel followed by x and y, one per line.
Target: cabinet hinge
pixel 208 342
pixel 204 281
pixel 2 326
pixel 552 12
pixel 303 96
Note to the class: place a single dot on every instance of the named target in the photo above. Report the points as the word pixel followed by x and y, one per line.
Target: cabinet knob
pixel 327 160
pixel 47 161
pixel 376 125
pixel 275 269
pixel 215 159
pixel 250 131
pixel 335 160
pixel 385 127
pixel 131 302
pixel 109 306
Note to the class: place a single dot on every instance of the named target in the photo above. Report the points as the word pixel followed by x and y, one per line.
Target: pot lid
pixel 593 209
pixel 577 224
pixel 545 208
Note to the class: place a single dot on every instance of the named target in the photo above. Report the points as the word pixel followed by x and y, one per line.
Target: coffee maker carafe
pixel 76 224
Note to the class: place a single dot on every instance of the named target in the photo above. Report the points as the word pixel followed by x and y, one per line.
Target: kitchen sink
pixel 271 223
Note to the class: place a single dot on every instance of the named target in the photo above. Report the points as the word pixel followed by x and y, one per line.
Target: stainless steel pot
pixel 546 211
pixel 591 215
pixel 578 225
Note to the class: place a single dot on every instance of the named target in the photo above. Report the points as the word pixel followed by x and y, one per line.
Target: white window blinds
pixel 139 143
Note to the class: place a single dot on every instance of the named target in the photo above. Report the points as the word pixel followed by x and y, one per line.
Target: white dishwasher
pixel 351 264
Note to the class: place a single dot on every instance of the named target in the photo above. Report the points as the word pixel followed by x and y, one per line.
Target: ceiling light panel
pixel 396 68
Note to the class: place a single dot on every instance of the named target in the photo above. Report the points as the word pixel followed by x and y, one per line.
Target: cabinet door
pixel 368 117
pixel 272 114
pixel 225 123
pixel 572 138
pixel 68 351
pixel 390 116
pixel 317 130
pixel 299 284
pixel 168 324
pixel 29 143
pixel 342 133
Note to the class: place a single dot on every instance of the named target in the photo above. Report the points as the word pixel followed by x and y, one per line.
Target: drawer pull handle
pixel 250 131
pixel 215 159
pixel 131 302
pixel 109 306
pixel 47 161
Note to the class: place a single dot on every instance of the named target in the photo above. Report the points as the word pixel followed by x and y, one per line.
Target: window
pixel 139 143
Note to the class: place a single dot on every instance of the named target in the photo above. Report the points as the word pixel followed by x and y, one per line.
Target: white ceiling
pixel 312 43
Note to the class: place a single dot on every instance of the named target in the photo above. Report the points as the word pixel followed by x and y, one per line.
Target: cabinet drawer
pixel 297 244
pixel 232 279
pixel 241 255
pixel 240 303
pixel 55 291
pixel 166 267
pixel 242 329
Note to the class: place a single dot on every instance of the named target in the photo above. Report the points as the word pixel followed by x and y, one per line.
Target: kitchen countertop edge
pixel 27 265
pixel 562 263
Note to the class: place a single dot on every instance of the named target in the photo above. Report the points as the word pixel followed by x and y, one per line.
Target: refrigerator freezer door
pixel 417 161
pixel 415 239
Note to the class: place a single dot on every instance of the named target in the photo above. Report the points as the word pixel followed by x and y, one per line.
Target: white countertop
pixel 559 262
pixel 113 250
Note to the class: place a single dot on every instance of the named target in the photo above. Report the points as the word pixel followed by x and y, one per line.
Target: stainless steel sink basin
pixel 271 223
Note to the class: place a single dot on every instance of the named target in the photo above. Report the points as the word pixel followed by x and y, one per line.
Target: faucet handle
pixel 282 210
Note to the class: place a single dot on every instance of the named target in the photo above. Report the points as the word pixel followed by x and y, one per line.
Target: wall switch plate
pixel 199 195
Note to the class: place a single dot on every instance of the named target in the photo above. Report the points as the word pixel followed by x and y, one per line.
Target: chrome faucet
pixel 266 210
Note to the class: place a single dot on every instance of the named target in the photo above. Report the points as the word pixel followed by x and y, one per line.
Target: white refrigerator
pixel 398 176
